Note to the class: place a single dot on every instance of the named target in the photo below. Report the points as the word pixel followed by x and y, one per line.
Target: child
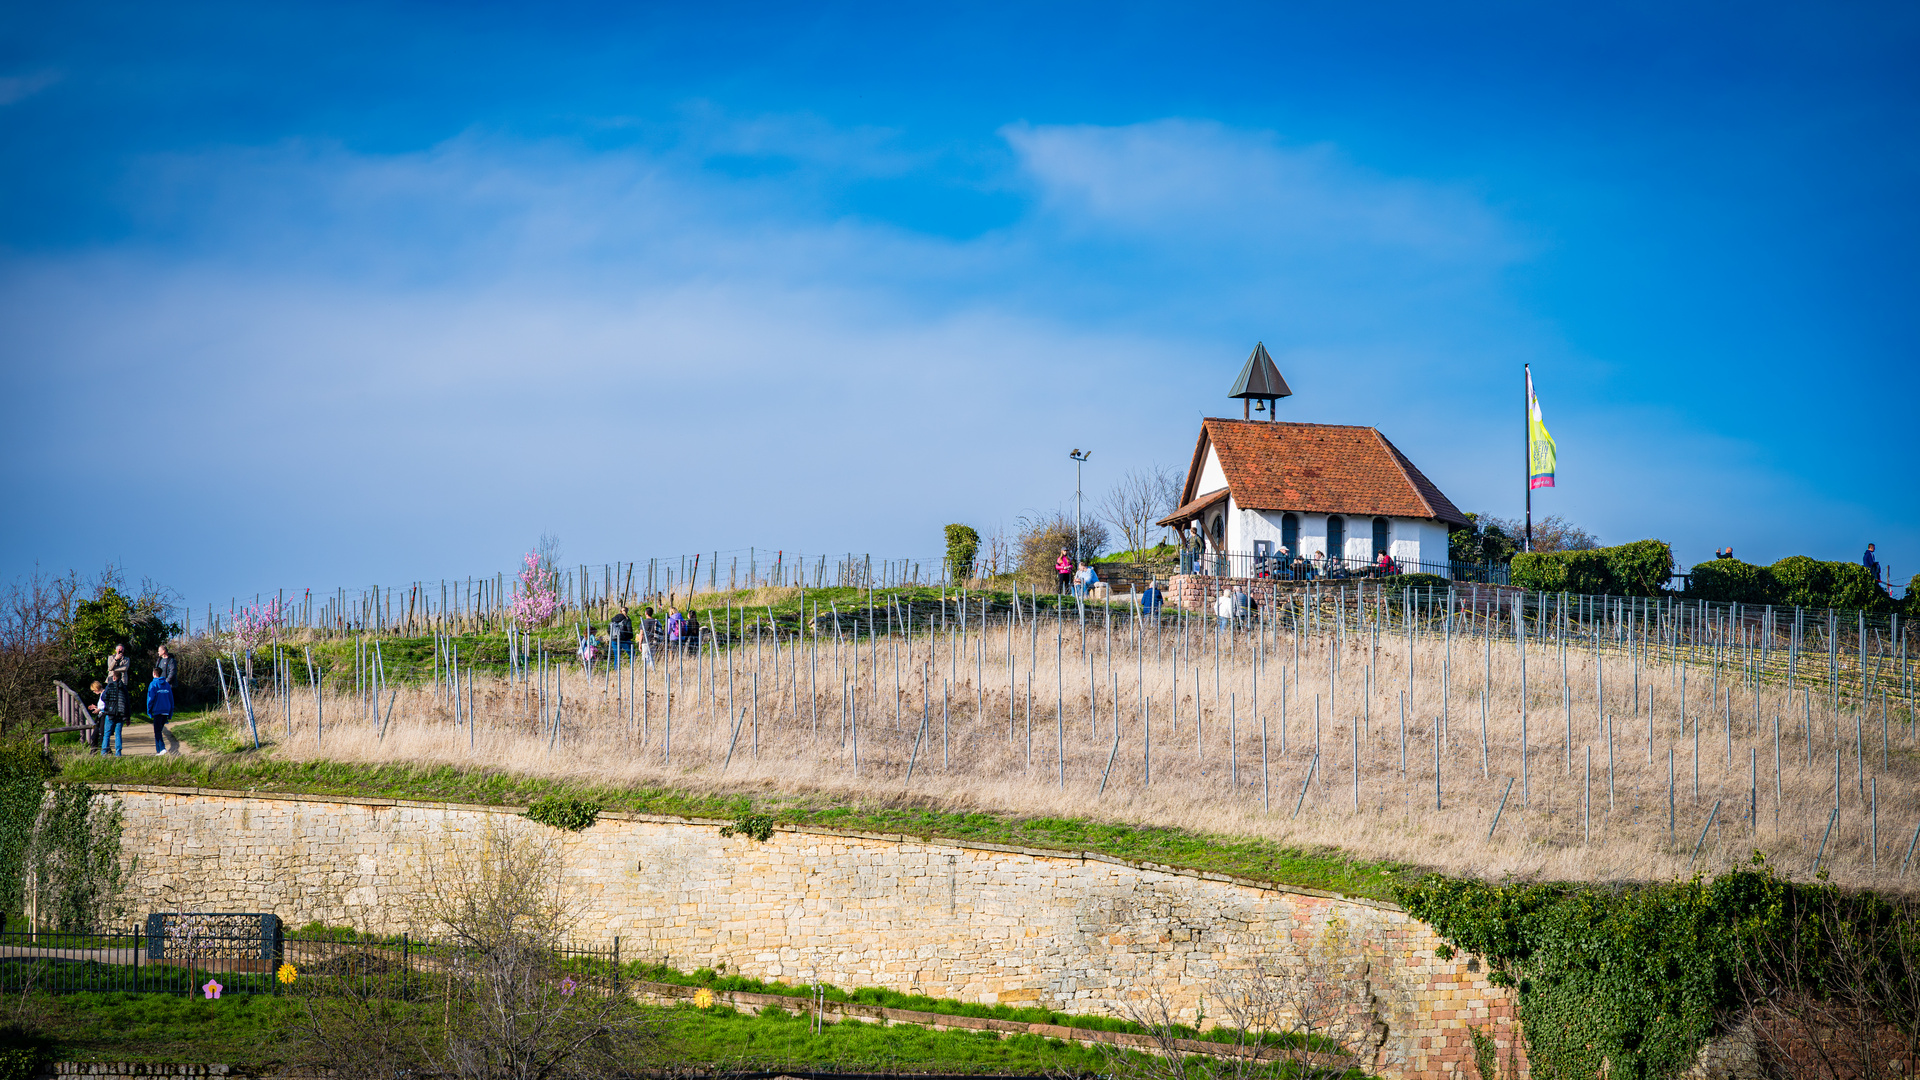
pixel 159 707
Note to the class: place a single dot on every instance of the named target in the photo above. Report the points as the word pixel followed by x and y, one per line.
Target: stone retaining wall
pixel 979 922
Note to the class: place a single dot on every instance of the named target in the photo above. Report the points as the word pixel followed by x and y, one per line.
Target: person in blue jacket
pixel 1151 600
pixel 159 706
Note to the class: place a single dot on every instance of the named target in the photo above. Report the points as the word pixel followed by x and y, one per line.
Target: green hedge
pixel 1734 582
pixel 1637 569
pixel 1795 581
pixel 1806 582
pixel 1415 581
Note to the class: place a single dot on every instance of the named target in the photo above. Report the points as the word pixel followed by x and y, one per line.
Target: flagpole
pixel 1526 442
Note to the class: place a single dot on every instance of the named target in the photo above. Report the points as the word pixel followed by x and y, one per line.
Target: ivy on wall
pixel 59 845
pixel 1626 983
pixel 1631 982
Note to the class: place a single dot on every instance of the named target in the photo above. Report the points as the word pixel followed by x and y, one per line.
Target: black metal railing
pixel 1278 565
pixel 221 956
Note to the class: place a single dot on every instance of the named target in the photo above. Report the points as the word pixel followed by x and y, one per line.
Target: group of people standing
pixel 1078 582
pixel 113 702
pixel 680 629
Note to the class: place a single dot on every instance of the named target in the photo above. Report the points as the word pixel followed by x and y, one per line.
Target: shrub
pixel 1485 539
pixel 1636 569
pixel 1583 571
pixel 1415 581
pixel 1913 596
pixel 1734 582
pixel 752 826
pixel 1809 582
pixel 963 543
pixel 1043 535
pixel 572 815
pixel 1640 568
pixel 1795 581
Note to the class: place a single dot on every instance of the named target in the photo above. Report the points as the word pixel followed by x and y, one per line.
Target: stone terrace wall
pixel 977 922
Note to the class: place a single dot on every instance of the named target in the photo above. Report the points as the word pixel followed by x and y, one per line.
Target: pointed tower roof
pixel 1260 378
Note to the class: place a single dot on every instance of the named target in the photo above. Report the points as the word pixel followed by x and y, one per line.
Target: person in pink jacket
pixel 1063 566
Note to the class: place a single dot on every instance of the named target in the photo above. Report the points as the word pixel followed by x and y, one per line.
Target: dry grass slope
pixel 1217 734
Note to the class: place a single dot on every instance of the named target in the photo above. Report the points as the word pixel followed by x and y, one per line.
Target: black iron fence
pixel 1283 566
pixel 217 955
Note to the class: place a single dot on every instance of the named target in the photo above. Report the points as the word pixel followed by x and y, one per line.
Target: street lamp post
pixel 1079 459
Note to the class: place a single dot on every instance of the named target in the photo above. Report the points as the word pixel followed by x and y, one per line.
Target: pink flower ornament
pixel 212 989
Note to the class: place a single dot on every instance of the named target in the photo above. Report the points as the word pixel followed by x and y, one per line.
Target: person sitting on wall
pixel 1084 579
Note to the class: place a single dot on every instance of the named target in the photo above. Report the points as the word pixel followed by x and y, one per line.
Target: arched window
pixel 1380 538
pixel 1336 538
pixel 1290 533
pixel 1219 529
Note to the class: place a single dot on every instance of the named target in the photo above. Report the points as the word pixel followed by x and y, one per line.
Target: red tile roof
pixel 1315 469
pixel 1192 507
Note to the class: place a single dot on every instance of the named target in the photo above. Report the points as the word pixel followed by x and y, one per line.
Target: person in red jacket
pixel 1063 567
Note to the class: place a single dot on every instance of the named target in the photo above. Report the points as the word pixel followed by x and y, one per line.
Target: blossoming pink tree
pixel 253 627
pixel 538 598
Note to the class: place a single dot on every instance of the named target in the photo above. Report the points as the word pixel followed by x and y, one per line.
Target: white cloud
pixel 389 366
pixel 17 88
pixel 1203 181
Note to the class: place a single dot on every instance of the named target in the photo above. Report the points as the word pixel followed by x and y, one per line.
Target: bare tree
pixel 996 553
pixel 1320 999
pixel 1313 1011
pixel 33 613
pixel 1139 499
pixel 1550 533
pixel 359 1029
pixel 516 1012
pixel 1835 994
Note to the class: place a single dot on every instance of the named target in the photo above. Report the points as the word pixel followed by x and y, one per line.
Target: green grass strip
pixel 1261 860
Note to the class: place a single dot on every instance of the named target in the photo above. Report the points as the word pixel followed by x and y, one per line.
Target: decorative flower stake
pixel 567 986
pixel 212 989
pixel 287 973
pixel 703 998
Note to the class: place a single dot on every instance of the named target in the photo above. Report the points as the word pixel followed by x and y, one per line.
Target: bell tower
pixel 1259 381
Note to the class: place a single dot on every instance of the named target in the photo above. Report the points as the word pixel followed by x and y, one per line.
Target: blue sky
pixel 305 296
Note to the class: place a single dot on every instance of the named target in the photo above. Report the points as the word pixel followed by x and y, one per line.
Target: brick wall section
pixel 977 922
